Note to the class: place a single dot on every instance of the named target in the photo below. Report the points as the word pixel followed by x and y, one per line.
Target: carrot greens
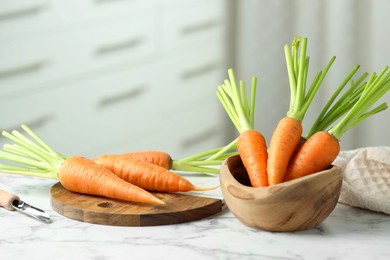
pixel 38 158
pixel 298 67
pixel 332 111
pixel 374 89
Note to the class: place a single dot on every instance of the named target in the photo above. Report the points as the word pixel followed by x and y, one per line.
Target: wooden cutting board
pixel 179 208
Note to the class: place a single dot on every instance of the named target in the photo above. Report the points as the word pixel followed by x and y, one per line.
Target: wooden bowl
pixel 295 205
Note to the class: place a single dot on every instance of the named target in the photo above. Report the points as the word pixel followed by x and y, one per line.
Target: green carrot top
pixel 298 66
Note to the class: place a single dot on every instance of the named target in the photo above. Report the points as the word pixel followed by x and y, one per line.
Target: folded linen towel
pixel 366 178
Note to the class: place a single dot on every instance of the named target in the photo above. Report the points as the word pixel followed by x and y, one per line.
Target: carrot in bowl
pixel 288 132
pixel 322 148
pixel 75 173
pixel 251 144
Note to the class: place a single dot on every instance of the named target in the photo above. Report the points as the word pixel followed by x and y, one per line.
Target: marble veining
pixel 348 233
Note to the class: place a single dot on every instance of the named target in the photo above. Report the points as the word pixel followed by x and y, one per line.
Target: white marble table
pixel 348 233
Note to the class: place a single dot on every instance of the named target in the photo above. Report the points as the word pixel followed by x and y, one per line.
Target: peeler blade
pixel 31 211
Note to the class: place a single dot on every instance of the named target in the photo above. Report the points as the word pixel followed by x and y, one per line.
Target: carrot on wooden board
pixel 147 175
pixel 160 158
pixel 251 144
pixel 75 173
pixel 203 162
pixel 81 175
pixel 323 147
pixel 288 131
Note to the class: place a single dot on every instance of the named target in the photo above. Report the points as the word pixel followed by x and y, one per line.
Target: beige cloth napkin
pixel 366 178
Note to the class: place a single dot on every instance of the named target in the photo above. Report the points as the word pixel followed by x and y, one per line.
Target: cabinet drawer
pixel 190 130
pixel 115 109
pixel 156 119
pixel 194 75
pixel 197 128
pixel 21 19
pixel 40 112
pixel 46 61
pixel 199 25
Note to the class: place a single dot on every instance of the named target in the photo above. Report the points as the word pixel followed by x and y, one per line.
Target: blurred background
pixel 108 76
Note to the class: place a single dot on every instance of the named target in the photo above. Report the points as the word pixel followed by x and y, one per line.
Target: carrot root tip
pixel 205 188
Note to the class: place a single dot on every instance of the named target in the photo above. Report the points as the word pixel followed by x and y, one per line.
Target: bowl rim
pixel 225 172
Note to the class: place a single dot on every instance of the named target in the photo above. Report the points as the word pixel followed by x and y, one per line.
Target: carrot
pixel 322 148
pixel 159 158
pixel 204 162
pixel 81 175
pixel 251 144
pixel 146 175
pixel 284 140
pixel 252 148
pixel 288 131
pixel 75 173
pixel 318 152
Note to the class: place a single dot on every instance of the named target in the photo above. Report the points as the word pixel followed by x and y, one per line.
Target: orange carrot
pixel 81 175
pixel 160 158
pixel 317 153
pixel 203 162
pixel 251 144
pixel 284 140
pixel 322 148
pixel 76 174
pixel 146 175
pixel 252 148
pixel 288 132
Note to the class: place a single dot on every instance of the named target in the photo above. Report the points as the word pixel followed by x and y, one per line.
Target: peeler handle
pixel 6 199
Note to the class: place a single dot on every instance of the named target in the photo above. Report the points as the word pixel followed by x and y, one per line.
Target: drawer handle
pixel 120 46
pixel 38 122
pixel 107 1
pixel 121 97
pixel 24 69
pixel 198 71
pixel 200 137
pixel 29 11
pixel 195 28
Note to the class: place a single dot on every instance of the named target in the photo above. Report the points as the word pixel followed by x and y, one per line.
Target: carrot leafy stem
pixel 33 157
pixel 371 92
pixel 298 67
pixel 333 111
pixel 235 102
pixel 207 161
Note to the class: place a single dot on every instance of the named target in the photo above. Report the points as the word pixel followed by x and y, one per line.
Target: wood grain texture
pixel 6 199
pixel 295 205
pixel 179 208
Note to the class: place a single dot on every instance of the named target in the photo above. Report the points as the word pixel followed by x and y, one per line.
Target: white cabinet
pixel 101 76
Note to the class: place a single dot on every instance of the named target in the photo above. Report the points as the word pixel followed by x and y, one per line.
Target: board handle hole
pixel 106 204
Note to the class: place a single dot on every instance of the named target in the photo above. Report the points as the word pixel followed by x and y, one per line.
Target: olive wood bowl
pixel 294 205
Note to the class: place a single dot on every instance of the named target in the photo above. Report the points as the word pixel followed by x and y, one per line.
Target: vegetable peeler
pixel 12 202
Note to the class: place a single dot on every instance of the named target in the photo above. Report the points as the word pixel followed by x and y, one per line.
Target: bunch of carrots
pixel 291 155
pixel 130 176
